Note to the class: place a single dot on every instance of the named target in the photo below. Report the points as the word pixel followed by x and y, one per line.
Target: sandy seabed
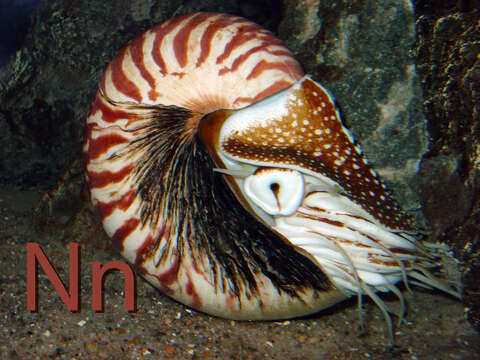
pixel 434 327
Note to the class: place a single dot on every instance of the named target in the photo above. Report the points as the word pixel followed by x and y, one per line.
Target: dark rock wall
pixel 448 63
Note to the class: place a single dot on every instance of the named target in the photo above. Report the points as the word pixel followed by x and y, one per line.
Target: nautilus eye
pixel 226 177
pixel 277 191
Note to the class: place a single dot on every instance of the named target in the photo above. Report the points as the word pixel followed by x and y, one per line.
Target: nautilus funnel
pixel 226 177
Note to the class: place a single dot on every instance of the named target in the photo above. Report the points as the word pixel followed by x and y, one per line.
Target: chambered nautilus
pixel 226 177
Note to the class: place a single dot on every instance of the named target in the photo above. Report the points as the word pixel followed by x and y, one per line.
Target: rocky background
pixel 406 77
pixel 447 54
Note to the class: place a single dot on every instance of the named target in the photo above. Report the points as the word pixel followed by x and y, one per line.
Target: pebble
pixel 170 349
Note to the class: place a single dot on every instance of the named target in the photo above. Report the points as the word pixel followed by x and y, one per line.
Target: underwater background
pixel 406 77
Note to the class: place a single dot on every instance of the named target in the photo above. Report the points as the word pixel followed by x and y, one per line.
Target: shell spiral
pixel 227 178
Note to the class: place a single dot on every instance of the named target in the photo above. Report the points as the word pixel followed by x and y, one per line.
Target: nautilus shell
pixel 226 177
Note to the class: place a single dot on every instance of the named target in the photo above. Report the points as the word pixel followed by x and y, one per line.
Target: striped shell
pixel 228 180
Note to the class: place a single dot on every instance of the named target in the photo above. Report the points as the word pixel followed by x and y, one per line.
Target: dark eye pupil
pixel 274 187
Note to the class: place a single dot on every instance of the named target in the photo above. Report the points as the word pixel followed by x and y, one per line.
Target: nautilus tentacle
pixel 227 178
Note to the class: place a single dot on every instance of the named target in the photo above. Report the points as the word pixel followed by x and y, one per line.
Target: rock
pixel 448 63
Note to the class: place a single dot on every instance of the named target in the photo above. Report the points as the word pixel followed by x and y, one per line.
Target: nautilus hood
pixel 300 129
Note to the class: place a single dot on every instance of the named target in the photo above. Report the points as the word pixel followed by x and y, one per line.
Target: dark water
pixel 14 22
